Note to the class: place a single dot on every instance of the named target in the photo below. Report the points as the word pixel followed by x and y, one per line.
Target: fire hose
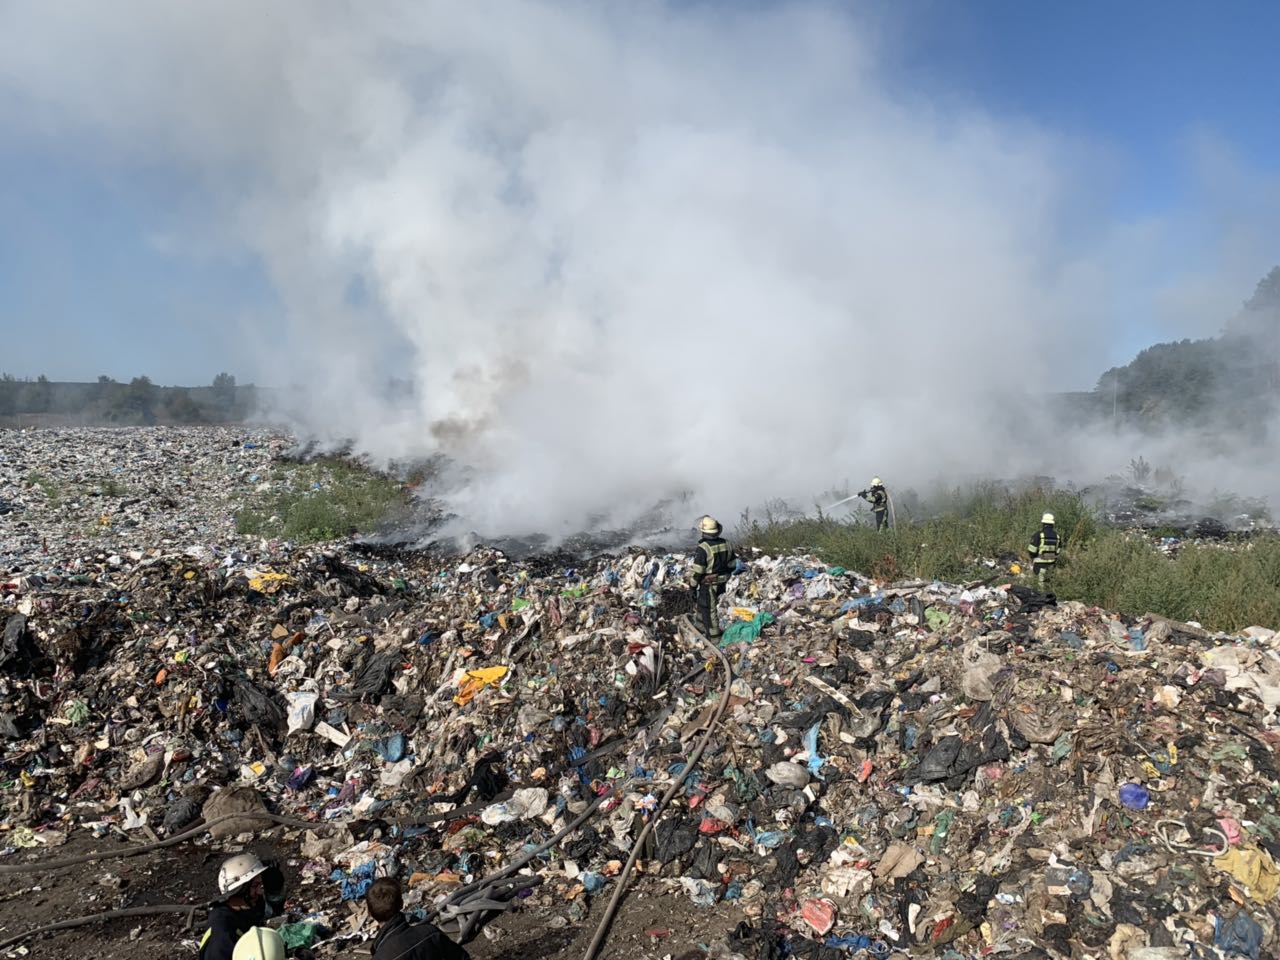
pixel 42 866
pixel 602 931
pixel 470 906
pixel 187 908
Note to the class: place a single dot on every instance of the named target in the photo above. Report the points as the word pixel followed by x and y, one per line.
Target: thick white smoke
pixel 624 251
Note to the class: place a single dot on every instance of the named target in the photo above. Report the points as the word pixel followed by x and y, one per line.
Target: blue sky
pixel 91 281
pixel 1150 83
pixel 1141 76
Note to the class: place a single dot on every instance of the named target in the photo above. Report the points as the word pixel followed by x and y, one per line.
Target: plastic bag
pixel 302 710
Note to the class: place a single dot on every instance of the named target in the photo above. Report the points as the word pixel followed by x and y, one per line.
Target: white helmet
pixel 1047 518
pixel 709 525
pixel 875 482
pixel 259 943
pixel 238 871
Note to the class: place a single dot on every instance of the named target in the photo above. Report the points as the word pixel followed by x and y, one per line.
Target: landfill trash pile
pixel 69 493
pixel 1141 508
pixel 888 768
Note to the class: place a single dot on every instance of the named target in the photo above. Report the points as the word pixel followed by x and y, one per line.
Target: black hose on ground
pixel 43 866
pixel 465 810
pixel 602 931
pixel 187 908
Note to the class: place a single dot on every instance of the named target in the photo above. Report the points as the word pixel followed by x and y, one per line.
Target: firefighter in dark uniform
pixel 251 891
pixel 713 562
pixel 878 497
pixel 1044 549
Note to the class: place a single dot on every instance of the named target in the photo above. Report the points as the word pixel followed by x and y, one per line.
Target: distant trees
pixel 180 408
pixel 1257 326
pixel 103 391
pixel 1223 383
pixel 136 402
pixel 25 396
pixel 224 396
pixel 139 399
pixel 41 395
pixel 1267 294
pixel 224 389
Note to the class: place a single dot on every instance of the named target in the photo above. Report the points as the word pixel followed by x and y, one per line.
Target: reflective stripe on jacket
pixel 714 560
pixel 1045 547
pixel 226 927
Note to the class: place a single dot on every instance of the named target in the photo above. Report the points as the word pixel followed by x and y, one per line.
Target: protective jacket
pixel 713 561
pixel 226 927
pixel 401 940
pixel 1044 547
pixel 878 497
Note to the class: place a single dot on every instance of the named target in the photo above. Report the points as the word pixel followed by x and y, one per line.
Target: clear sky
pixel 1140 76
pixel 1171 92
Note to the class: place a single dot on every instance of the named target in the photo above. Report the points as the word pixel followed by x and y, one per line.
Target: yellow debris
pixel 269 582
pixel 473 681
pixel 1253 869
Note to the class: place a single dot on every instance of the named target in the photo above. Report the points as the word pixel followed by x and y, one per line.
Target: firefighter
pixel 251 891
pixel 1044 549
pixel 713 562
pixel 878 497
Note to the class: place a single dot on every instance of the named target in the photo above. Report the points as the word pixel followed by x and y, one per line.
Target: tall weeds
pixel 1224 586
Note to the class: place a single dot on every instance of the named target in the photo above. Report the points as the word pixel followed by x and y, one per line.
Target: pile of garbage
pixel 901 766
pixel 69 493
pixel 854 768
pixel 1162 511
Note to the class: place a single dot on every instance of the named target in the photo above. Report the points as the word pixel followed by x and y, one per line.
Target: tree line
pixel 1225 384
pixel 140 402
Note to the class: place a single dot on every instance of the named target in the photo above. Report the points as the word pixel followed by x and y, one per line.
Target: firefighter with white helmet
pixel 878 497
pixel 713 563
pixel 240 870
pixel 251 890
pixel 1044 549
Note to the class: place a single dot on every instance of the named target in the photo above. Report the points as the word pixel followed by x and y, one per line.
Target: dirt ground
pixel 652 922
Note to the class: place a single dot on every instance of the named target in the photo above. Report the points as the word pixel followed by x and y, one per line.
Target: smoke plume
pixel 622 252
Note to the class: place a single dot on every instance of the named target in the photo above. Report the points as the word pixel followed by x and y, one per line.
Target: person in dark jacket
pixel 227 924
pixel 878 497
pixel 243 882
pixel 713 562
pixel 1044 548
pixel 397 938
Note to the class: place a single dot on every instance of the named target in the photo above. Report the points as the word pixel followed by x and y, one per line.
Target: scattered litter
pixel 902 768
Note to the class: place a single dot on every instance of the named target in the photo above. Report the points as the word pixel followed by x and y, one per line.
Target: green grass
pixel 57 491
pixel 51 488
pixel 321 500
pixel 1223 586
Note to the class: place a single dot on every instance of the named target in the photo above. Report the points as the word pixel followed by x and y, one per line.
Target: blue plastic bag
pixel 391 749
pixel 1241 935
pixel 811 746
pixel 1134 796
